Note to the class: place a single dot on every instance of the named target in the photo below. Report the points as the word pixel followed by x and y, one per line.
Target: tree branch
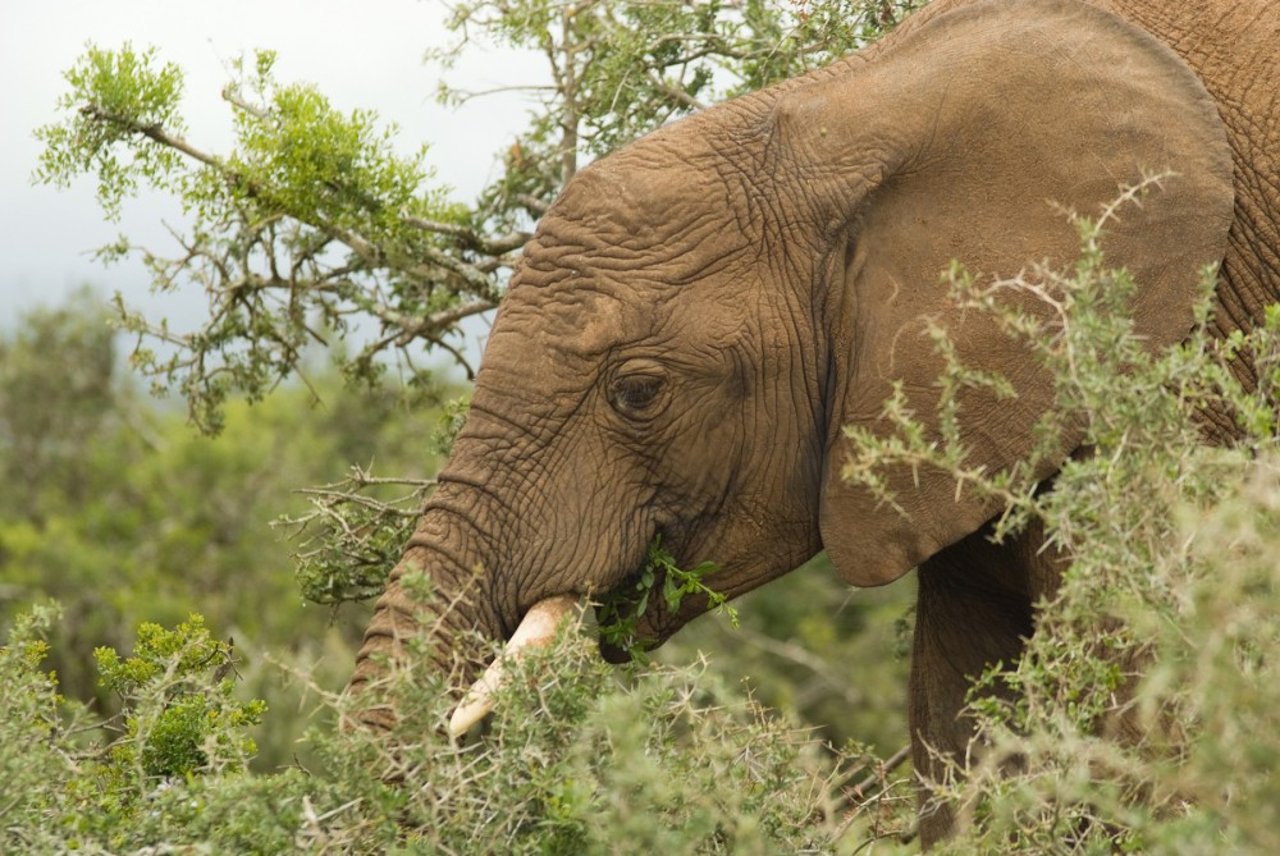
pixel 153 132
pixel 533 203
pixel 231 94
pixel 490 246
pixel 675 92
pixel 481 285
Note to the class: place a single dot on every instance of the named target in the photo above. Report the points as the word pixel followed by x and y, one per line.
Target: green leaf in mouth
pixel 620 613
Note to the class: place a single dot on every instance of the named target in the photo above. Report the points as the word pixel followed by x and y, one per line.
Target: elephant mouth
pixel 627 629
pixel 634 617
pixel 620 617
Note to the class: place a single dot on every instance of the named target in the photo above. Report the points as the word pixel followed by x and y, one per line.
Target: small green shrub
pixel 85 785
pixel 178 722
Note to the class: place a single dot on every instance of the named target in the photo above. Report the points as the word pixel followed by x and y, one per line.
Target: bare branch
pixel 675 92
pixel 432 325
pixel 893 762
pixel 231 94
pixel 801 657
pixel 481 284
pixel 471 239
pixel 533 203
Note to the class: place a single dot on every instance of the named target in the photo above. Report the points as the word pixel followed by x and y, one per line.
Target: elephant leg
pixel 973 608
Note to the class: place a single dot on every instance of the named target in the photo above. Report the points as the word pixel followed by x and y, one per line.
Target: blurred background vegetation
pixel 114 507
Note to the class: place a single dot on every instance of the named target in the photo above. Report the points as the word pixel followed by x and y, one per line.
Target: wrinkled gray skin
pixel 700 313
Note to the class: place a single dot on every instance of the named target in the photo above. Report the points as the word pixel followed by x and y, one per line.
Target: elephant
pixel 700 314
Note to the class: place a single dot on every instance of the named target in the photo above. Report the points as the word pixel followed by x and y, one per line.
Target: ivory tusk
pixel 537 629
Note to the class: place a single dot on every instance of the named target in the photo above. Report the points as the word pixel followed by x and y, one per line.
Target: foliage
pixel 29 760
pixel 305 227
pixel 620 614
pixel 129 93
pixel 50 409
pixel 179 721
pixel 831 657
pixel 621 69
pixel 350 539
pixel 313 227
pixel 190 729
pixel 1135 717
pixel 110 504
pixel 581 759
pixel 352 535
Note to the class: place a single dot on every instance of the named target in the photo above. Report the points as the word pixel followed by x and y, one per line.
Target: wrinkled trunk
pixel 448 551
pixel 487 544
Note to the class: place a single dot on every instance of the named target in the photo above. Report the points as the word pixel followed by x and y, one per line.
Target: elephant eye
pixel 634 395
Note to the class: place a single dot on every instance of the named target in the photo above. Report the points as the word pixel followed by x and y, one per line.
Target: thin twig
pixel 892 763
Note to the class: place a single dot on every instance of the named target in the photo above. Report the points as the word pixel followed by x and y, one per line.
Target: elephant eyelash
pixel 635 394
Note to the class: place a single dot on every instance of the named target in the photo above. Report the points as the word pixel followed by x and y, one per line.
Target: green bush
pixel 580 758
pixel 91 785
pixel 171 728
pixel 1140 714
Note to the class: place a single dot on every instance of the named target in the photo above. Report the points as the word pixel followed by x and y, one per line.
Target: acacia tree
pixel 313 231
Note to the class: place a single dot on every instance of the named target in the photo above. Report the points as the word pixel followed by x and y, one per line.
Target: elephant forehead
pixel 540 330
pixel 642 188
pixel 632 218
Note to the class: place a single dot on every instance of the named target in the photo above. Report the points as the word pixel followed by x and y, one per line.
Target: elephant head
pixel 700 314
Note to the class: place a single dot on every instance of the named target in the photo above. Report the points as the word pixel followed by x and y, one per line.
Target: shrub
pixel 1139 718
pixel 75 787
pixel 580 758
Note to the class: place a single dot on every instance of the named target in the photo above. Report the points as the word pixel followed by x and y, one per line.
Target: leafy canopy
pixel 313 230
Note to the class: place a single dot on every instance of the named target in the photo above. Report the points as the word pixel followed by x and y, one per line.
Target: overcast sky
pixel 366 54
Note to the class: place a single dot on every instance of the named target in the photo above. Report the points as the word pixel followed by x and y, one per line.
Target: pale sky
pixel 366 54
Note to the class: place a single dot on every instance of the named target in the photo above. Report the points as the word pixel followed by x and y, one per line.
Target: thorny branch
pixel 355 526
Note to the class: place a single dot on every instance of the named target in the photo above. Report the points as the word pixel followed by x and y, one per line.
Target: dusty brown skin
pixel 700 314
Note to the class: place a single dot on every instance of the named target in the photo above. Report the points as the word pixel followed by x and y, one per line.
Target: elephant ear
pixel 965 139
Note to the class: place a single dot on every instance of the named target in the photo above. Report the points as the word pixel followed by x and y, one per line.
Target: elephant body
pixel 700 314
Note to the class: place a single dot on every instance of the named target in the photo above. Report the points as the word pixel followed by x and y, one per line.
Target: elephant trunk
pixel 460 606
pixel 485 549
pixel 452 557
